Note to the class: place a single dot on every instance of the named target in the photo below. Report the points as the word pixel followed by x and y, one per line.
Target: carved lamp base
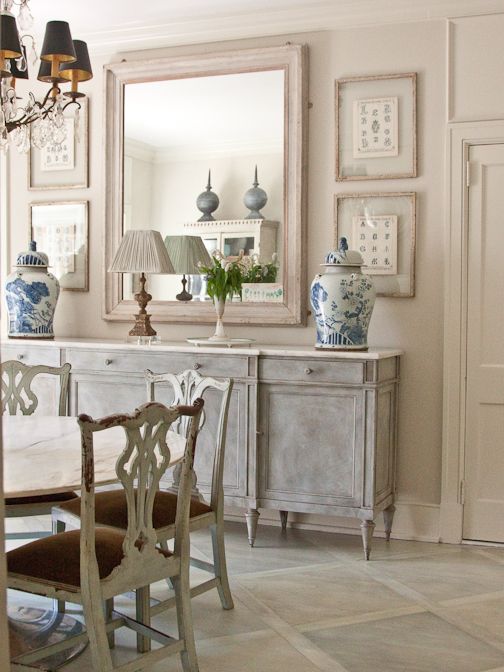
pixel 142 319
pixel 142 326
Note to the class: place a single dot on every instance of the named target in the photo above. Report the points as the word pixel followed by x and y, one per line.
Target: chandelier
pixel 62 61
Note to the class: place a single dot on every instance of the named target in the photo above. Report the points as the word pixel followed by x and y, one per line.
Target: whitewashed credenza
pixel 309 431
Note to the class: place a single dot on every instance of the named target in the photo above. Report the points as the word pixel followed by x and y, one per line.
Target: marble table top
pixel 42 454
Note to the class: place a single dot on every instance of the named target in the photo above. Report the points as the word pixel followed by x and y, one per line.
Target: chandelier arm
pixel 29 117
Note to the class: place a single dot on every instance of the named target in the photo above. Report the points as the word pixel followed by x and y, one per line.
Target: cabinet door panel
pixel 98 396
pixel 312 445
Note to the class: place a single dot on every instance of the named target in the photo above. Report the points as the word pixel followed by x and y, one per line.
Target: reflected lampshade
pixel 141 251
pixel 80 70
pixel 44 74
pixel 15 71
pixel 58 44
pixel 186 252
pixel 10 46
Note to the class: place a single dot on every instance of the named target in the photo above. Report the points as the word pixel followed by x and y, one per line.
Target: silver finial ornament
pixel 207 202
pixel 255 199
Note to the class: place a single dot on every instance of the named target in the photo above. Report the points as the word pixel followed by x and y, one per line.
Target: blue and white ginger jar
pixel 31 293
pixel 342 299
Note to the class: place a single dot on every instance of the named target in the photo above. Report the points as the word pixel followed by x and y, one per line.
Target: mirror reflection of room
pixel 187 172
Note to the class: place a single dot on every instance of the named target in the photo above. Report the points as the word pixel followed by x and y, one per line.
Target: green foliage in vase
pixel 224 277
pixel 254 271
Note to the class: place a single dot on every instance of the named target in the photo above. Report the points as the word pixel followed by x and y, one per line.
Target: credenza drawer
pixel 285 369
pixel 159 362
pixel 31 355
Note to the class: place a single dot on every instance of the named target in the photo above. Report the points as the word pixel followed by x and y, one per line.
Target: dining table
pixel 42 456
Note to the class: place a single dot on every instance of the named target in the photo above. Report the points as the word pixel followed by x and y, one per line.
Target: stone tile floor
pixel 307 601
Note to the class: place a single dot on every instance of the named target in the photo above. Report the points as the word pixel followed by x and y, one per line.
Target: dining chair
pixel 92 565
pixel 18 396
pixel 111 506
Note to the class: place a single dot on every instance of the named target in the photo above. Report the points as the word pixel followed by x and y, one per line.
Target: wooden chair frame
pixel 188 386
pixel 139 468
pixel 14 401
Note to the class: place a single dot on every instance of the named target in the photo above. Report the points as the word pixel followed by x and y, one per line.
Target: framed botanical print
pixel 376 127
pixel 62 165
pixel 382 228
pixel 61 231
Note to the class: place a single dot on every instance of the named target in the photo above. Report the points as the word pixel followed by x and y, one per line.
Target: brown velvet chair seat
pixel 111 509
pixel 56 559
pixel 41 499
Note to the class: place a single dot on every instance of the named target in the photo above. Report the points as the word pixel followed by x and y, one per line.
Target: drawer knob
pixel 196 366
pixel 20 356
pixel 308 370
pixel 108 362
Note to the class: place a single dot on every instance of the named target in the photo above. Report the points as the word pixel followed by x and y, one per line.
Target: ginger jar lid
pixel 32 257
pixel 343 256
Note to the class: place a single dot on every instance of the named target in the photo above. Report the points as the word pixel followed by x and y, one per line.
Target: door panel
pixel 484 447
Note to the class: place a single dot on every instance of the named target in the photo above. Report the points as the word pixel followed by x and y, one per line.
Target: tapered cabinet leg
pixel 388 519
pixel 367 529
pixel 252 518
pixel 283 519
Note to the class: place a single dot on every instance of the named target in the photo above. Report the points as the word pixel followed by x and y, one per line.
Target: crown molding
pixel 242 24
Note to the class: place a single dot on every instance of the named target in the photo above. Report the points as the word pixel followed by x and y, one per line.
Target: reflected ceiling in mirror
pixel 223 124
pixel 169 122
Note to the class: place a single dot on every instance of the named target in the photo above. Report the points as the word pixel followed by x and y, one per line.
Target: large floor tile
pixel 415 643
pixel 485 618
pixel 437 578
pixel 320 593
pixel 273 549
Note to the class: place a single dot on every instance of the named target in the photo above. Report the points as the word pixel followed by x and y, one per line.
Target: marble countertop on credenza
pixel 255 349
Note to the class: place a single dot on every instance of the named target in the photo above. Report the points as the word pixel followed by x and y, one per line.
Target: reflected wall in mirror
pixel 166 165
pixel 170 122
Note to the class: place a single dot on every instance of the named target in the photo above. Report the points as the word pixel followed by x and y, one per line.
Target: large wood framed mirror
pixel 169 122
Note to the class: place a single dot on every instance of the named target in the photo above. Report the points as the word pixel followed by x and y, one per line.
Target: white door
pixel 484 447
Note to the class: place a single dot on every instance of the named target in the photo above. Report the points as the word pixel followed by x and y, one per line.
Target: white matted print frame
pixel 65 167
pixel 382 227
pixel 376 127
pixel 60 229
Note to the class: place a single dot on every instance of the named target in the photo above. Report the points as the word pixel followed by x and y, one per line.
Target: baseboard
pixel 413 520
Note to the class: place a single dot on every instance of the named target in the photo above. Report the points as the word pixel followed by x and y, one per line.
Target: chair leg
pixel 98 642
pixel 58 526
pixel 143 616
pixel 220 569
pixel 109 608
pixel 184 619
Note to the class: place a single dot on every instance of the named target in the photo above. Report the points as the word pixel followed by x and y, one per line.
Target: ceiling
pixel 118 25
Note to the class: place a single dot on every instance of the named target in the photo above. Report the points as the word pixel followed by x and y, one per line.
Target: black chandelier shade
pixel 44 74
pixel 15 71
pixel 80 70
pixel 10 47
pixel 58 44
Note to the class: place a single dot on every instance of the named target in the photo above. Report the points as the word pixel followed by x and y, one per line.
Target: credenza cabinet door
pixel 100 394
pixel 311 442
pixel 235 462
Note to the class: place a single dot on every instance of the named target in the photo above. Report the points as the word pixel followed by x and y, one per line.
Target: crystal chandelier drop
pixel 62 60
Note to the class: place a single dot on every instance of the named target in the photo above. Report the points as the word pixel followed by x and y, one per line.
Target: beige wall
pixel 415 324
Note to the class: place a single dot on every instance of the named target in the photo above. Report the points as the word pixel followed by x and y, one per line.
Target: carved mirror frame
pixel 293 60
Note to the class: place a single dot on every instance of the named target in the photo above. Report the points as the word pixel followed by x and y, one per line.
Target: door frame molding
pixel 461 137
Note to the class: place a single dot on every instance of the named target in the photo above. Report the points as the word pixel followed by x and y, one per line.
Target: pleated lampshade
pixel 185 252
pixel 141 251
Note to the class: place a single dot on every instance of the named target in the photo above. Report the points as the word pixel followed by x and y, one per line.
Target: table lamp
pixel 142 252
pixel 185 253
